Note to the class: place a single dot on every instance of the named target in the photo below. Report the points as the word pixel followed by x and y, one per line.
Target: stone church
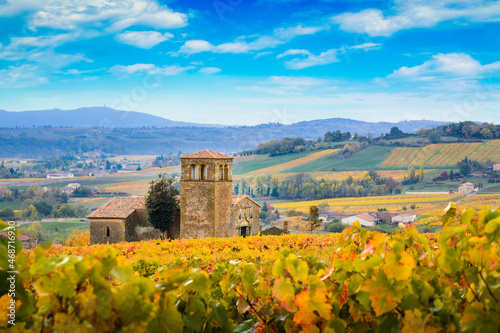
pixel 207 207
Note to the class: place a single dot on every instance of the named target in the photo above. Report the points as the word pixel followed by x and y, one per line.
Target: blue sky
pixel 248 62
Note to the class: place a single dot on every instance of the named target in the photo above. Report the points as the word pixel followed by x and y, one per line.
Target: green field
pixel 65 228
pixel 260 162
pixel 369 158
pixel 490 188
pixel 15 205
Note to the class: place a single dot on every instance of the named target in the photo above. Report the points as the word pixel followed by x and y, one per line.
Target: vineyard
pixel 444 154
pixel 295 163
pixel 357 281
pixel 370 203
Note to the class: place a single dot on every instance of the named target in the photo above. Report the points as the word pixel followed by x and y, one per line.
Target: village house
pixel 207 207
pixel 404 218
pixel 496 167
pixel 61 175
pixel 365 219
pixel 466 188
pixel 28 242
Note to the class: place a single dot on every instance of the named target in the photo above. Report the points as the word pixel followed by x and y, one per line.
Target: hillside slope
pixel 444 154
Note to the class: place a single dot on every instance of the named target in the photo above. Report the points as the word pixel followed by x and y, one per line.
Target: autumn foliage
pixel 358 281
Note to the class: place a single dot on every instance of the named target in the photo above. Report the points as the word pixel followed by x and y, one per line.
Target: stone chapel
pixel 207 207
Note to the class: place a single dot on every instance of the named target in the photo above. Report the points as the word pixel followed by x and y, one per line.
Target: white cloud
pixel 149 69
pixel 104 15
pixel 196 46
pixel 416 14
pixel 143 39
pixel 210 70
pixel 307 59
pixel 261 54
pixel 310 59
pixel 366 46
pixel 50 41
pixel 292 32
pixel 287 85
pixel 244 44
pixel 14 7
pixel 446 65
pixel 21 77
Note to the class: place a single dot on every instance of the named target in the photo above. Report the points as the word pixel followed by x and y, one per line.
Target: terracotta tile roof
pixel 207 153
pixel 274 231
pixel 21 237
pixel 368 217
pixel 119 208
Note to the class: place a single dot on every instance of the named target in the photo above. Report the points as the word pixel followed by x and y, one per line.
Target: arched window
pixel 107 232
pixel 203 172
pixel 221 172
pixel 193 172
pixel 226 172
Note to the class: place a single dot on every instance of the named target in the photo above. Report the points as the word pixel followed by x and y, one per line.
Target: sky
pixel 244 62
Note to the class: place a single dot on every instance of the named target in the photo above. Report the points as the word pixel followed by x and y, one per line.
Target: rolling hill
pixel 444 154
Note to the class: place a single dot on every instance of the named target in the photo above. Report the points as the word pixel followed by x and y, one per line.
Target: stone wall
pixel 223 197
pixel 237 215
pixel 197 209
pixel 98 229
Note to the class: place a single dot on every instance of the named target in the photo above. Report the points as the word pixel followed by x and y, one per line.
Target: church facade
pixel 207 207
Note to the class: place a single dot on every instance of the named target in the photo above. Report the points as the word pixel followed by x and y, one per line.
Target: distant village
pixel 93 163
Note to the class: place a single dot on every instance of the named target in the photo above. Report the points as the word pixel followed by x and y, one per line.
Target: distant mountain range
pixel 88 117
pixel 111 118
pixel 122 132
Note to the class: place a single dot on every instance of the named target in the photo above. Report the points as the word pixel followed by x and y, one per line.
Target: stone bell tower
pixel 206 194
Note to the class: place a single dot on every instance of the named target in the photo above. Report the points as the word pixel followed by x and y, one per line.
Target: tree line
pixel 303 186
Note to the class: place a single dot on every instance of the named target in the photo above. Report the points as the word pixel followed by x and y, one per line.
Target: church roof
pixel 119 208
pixel 207 153
pixel 274 231
pixel 238 198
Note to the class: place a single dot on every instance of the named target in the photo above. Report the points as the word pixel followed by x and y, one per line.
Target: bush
pixel 7 213
pixel 336 227
pixel 78 238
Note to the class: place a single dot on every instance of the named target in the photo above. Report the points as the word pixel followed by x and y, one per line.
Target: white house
pixel 404 218
pixel 365 219
pixel 466 188
pixel 74 185
pixel 61 175
pixel 496 167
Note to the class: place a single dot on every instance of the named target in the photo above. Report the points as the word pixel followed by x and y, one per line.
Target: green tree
pixel 108 166
pixel 314 221
pixel 161 203
pixel 464 169
pixel 421 173
pixel 68 210
pixel 7 213
pixel 43 207
pixel 434 136
pixel 336 227
pixel 30 213
pixel 411 175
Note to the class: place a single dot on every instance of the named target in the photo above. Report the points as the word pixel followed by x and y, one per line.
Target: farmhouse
pixel 61 175
pixel 365 219
pixel 28 242
pixel 404 218
pixel 466 188
pixel 207 207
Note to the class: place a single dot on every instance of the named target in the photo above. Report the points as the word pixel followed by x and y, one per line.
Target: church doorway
pixel 244 231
